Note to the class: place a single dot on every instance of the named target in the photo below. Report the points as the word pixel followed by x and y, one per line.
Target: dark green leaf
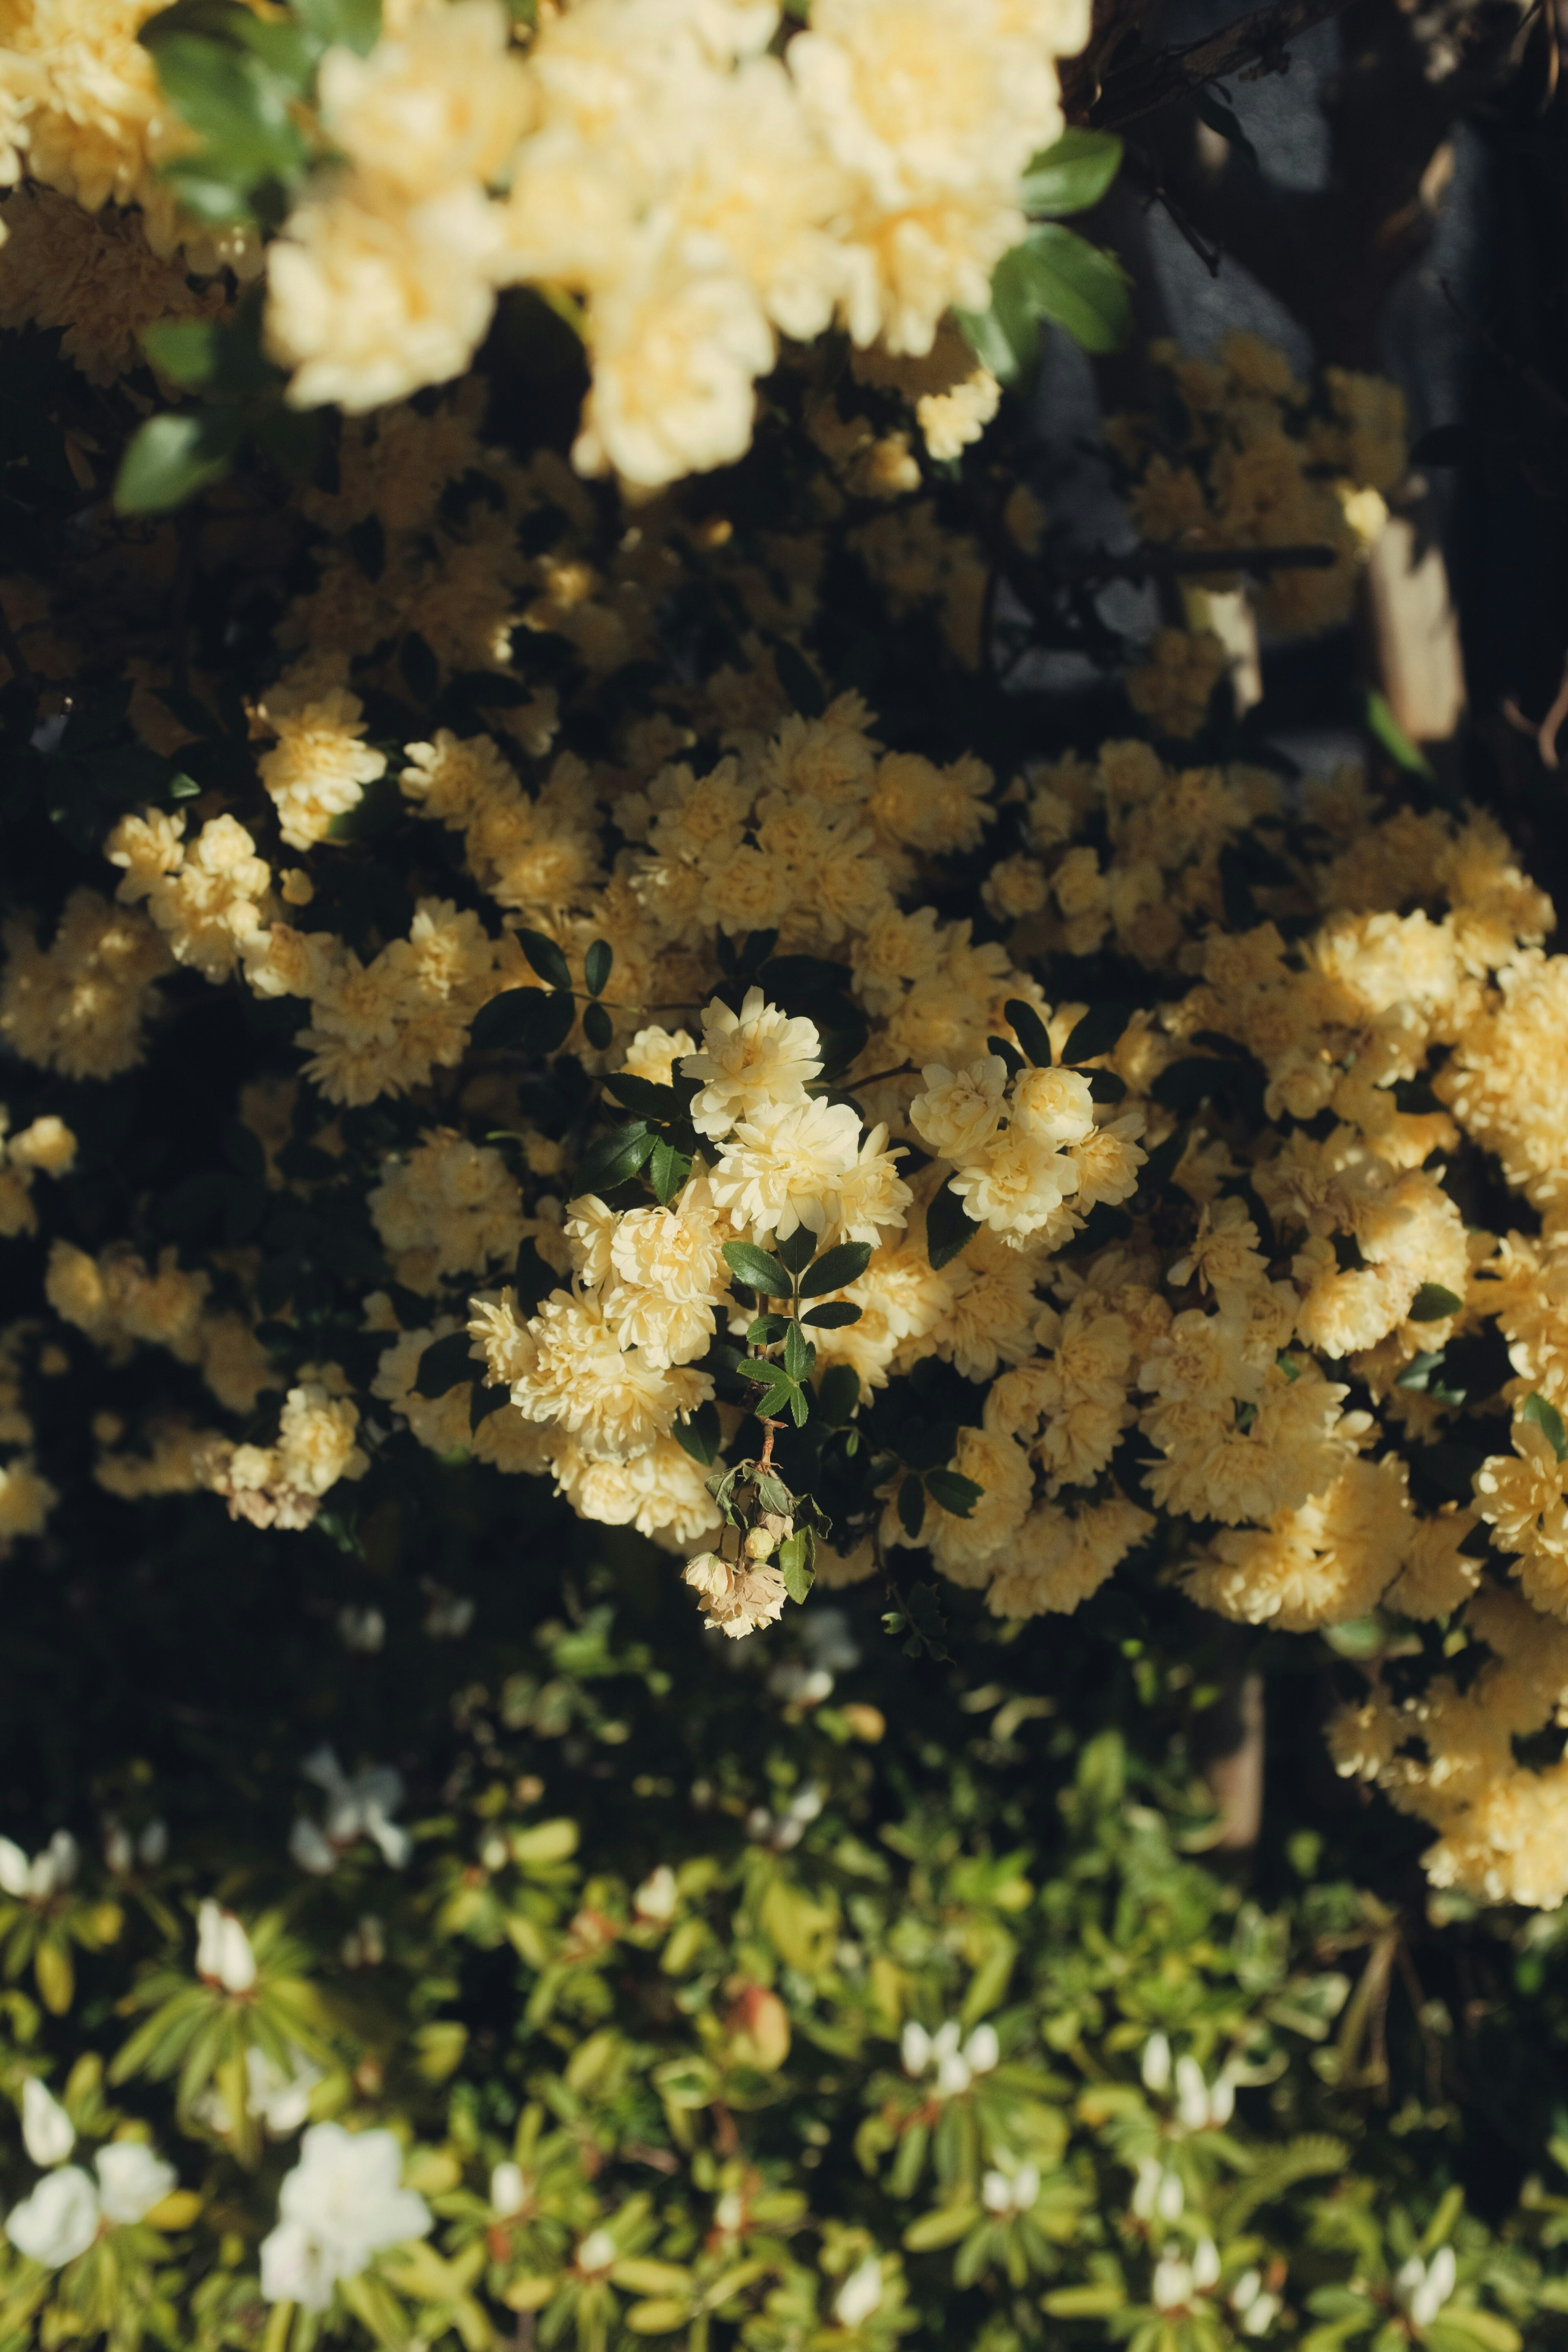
pixel 836 1269
pixel 242 1149
pixel 615 1157
pixel 923 1606
pixel 173 456
pixel 799 1355
pixel 954 1492
pixel 1071 175
pixel 756 1368
pixel 796 1556
pixel 837 1395
pixel 1213 107
pixel 546 957
pixel 597 1027
pixel 766 1331
pixel 1547 1418
pixel 1006 337
pixel 949 1227
pixel 756 1269
pixel 641 1095
pixel 834 1317
pixel 1076 285
pixel 1030 1032
pixel 531 1021
pixel 596 965
pixel 1432 1302
pixel 421 670
pixel 780 1399
pixel 532 1278
pixel 798 1251
pixel 1104 1085
pixel 1184 1085
pixel 668 1170
pixel 444 1364
pixel 911 1506
pixel 799 680
pixel 799 1406
pixel 700 1434
pixel 1097 1032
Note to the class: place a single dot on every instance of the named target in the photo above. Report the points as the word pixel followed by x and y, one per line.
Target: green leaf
pixel 836 1315
pixel 836 1269
pixel 954 1492
pixel 837 1395
pixel 1030 1031
pixel 1382 723
pixel 531 1278
pixel 597 1027
pixel 796 1556
pixel 700 1435
pixel 911 1506
pixel 186 351
pixel 1212 105
pixel 342 24
pixel 238 104
pixel 1104 1085
pixel 798 1251
pixel 780 1399
pixel 949 1228
pixel 173 456
pixel 923 1606
pixel 1077 285
pixel 799 1355
pixel 1071 175
pixel 546 957
pixel 798 679
pixel 1006 338
pixel 1547 1418
pixel 596 965
pixel 1099 1030
pixel 530 1021
pixel 615 1157
pixel 756 1269
pixel 668 1170
pixel 766 1331
pixel 643 1095
pixel 444 1364
pixel 1432 1303
pixel 1184 1085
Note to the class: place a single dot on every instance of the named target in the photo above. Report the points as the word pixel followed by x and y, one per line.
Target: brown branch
pixel 1182 562
pixel 1257 41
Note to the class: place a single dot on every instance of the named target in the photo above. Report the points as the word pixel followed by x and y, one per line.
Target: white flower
pixel 282 2101
pixel 46 1873
pixel 132 2180
pixel 655 1899
pixel 1004 2193
pixel 58 2220
pixel 860 2293
pixel 224 1956
pixel 1425 2287
pixel 785 1166
pixel 1173 2285
pixel 356 1808
pixel 1156 2064
pixel 342 2204
pixel 1255 2308
pixel 1199 2106
pixel 47 2132
pixel 509 2189
pixel 959 1109
pixel 748 1061
pixel 1157 2191
pixel 956 2062
pixel 598 2253
pixel 1206 2263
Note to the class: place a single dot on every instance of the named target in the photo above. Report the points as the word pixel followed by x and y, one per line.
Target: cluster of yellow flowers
pixel 659 165
pixel 1241 454
pixel 1141 1102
